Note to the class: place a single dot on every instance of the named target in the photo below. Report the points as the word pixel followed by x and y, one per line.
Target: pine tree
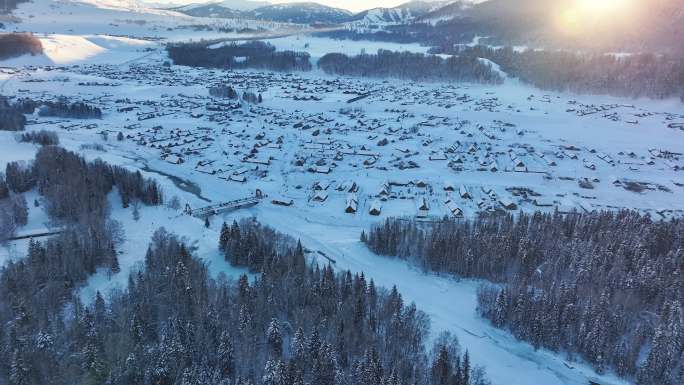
pixel 441 367
pixel 99 310
pixel 115 268
pixel 275 338
pixel 19 371
pixel 298 345
pixel 225 356
pixel 224 238
pixel 313 344
pixel 274 373
pixel 466 369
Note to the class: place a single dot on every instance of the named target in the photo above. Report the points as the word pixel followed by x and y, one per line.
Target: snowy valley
pixel 322 159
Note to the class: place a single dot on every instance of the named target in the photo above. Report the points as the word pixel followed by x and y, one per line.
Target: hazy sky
pixel 352 5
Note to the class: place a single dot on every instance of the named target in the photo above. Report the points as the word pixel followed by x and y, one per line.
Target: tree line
pixel 64 109
pixel 228 92
pixel 13 211
pixel 222 91
pixel 17 44
pixel 42 137
pixel 604 286
pixel 412 66
pixel 74 190
pixel 174 324
pixel 255 54
pixel 631 75
pixel 11 117
pixel 37 302
pixel 295 323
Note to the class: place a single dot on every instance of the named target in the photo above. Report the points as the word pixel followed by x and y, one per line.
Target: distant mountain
pixel 221 6
pixel 210 10
pixel 650 25
pixel 449 10
pixel 640 26
pixel 302 13
pixel 403 13
pixel 314 13
pixel 299 13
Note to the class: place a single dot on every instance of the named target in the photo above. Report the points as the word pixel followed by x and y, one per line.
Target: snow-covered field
pixel 319 46
pixel 130 19
pixel 405 145
pixel 74 49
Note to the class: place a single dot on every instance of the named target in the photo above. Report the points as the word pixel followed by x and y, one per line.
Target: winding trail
pixel 450 302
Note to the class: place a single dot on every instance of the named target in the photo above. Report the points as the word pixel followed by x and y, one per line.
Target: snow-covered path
pixel 451 305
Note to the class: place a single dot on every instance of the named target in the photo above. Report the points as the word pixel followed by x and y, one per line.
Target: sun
pixel 580 16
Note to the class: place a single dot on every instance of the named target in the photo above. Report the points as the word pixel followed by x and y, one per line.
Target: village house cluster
pixel 368 148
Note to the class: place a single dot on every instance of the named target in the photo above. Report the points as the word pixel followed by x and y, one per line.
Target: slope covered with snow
pixel 404 13
pixel 123 18
pixel 73 49
pixel 302 13
pixel 239 5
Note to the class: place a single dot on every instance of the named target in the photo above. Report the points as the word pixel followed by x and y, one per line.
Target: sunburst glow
pixel 581 16
pixel 601 5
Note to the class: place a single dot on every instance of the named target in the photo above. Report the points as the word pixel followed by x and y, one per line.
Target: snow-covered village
pixel 423 193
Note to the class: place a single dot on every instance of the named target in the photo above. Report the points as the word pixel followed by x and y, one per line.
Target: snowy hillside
pixel 232 135
pixel 128 17
pixel 446 12
pixel 239 5
pixel 313 147
pixel 73 49
pixel 302 13
pixel 403 13
pixel 210 10
pixel 93 17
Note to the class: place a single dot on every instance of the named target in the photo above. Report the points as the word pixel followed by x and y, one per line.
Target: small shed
pixel 376 208
pixel 282 202
pixel 454 209
pixel 464 193
pixel 320 196
pixel 507 204
pixel 351 204
pixel 237 178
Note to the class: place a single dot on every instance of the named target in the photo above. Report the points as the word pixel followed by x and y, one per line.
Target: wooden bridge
pixel 208 211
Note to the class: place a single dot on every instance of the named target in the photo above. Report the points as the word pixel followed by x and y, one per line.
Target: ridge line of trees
pixel 412 66
pixel 17 44
pixel 603 286
pixel 630 75
pixel 37 301
pixel 253 54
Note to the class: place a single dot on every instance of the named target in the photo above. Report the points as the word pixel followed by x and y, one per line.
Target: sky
pixel 352 5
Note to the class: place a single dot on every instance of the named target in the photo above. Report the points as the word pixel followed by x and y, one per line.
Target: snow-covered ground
pixel 138 234
pixel 74 49
pixel 451 304
pixel 319 46
pixel 127 18
pixel 437 135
